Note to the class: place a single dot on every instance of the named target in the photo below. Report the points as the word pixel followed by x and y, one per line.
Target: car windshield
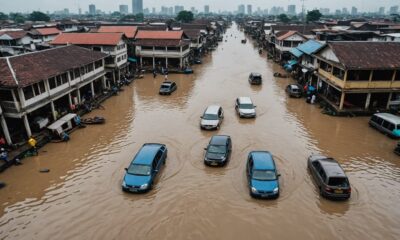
pixel 210 116
pixel 165 86
pixel 216 149
pixel 295 90
pixel 264 175
pixel 338 182
pixel 246 106
pixel 139 169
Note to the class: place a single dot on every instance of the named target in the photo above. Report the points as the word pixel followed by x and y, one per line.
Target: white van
pixel 387 123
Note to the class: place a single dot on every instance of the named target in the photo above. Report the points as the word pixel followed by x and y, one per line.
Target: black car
pixel 197 61
pixel 255 78
pixel 329 176
pixel 294 90
pixel 167 88
pixel 218 150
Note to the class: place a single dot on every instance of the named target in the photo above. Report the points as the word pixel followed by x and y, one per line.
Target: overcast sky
pixel 215 5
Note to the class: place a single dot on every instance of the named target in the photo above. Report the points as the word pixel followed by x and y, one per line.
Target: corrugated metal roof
pixel 296 52
pixel 310 47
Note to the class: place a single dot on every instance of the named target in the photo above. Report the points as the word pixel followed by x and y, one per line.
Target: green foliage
pixel 313 15
pixel 3 16
pixel 39 16
pixel 139 17
pixel 284 18
pixel 17 17
pixel 185 16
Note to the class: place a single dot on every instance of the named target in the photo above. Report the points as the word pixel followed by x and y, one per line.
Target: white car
pixel 245 107
pixel 212 118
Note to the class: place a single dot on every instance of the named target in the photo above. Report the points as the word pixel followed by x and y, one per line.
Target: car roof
pixel 256 74
pixel 213 109
pixel 147 153
pixel 388 117
pixel 294 86
pixel 245 100
pixel 167 83
pixel 263 160
pixel 219 140
pixel 332 167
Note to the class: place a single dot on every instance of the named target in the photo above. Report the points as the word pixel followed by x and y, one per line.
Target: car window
pixel 207 116
pixel 391 126
pixel 379 121
pixel 264 175
pixel 322 174
pixel 338 182
pixel 385 124
pixel 317 165
pixel 217 149
pixel 246 106
pixel 139 169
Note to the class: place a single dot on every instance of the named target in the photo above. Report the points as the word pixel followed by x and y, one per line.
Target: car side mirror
pixel 255 106
pixel 278 175
pixel 205 148
pixel 126 169
pixel 155 170
pixel 201 117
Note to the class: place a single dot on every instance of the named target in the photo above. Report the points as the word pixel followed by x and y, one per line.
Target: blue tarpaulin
pixel 132 60
pixel 310 47
pixel 296 52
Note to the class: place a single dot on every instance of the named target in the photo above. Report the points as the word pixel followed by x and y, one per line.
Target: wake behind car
pixel 245 108
pixel 141 173
pixel 218 151
pixel 255 78
pixel 329 177
pixel 262 175
pixel 294 90
pixel 212 118
pixel 167 88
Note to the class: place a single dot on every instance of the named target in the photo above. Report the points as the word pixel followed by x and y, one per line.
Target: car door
pixel 220 114
pixel 249 168
pixel 173 86
pixel 315 169
pixel 237 105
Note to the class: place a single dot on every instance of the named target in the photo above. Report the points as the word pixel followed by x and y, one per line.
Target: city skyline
pixel 215 6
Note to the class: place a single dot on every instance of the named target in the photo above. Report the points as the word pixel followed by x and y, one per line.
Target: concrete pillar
pixel 388 102
pixel 342 101
pixel 92 88
pixel 154 62
pixel 70 99
pixel 27 127
pixel 166 62
pixel 5 129
pixel 104 82
pixel 141 62
pixel 78 94
pixel 367 101
pixel 181 62
pixel 119 74
pixel 53 110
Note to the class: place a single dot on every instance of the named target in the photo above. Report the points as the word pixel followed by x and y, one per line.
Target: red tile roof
pixel 286 35
pixel 88 39
pixel 48 31
pixel 37 66
pixel 129 31
pixel 161 42
pixel 172 35
pixel 14 34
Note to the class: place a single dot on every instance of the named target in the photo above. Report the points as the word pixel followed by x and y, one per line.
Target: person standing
pixel 32 142
pixel 3 155
pixel 154 73
pixel 3 143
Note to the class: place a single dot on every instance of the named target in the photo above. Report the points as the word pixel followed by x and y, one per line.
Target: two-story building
pixel 157 49
pixel 285 41
pixel 45 84
pixel 359 76
pixel 113 44
pixel 46 34
pixel 16 42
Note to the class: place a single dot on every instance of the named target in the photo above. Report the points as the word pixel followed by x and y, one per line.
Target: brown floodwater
pixel 81 197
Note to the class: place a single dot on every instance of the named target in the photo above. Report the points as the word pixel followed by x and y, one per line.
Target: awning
pixel 296 52
pixel 132 60
pixel 57 124
pixel 290 64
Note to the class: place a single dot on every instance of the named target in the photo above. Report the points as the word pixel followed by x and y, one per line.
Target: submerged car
pixel 245 108
pixel 329 177
pixel 141 173
pixel 262 175
pixel 167 88
pixel 197 61
pixel 294 90
pixel 218 151
pixel 255 78
pixel 212 118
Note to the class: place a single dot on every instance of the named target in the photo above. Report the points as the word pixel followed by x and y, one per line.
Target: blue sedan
pixel 142 171
pixel 262 175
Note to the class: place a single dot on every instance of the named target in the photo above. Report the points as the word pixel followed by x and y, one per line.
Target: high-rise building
pixel 124 9
pixel 338 12
pixel 179 9
pixel 193 10
pixel 241 9
pixel 164 10
pixel 381 11
pixel 137 6
pixel 171 11
pixel 92 9
pixel 291 10
pixel 146 11
pixel 344 11
pixel 324 11
pixel 249 9
pixel 394 10
pixel 354 11
pixel 153 11
pixel 206 9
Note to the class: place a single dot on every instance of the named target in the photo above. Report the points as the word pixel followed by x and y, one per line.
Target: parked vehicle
pixel 294 90
pixel 218 151
pixel 244 40
pixel 245 108
pixel 197 61
pixel 262 175
pixel 167 88
pixel 386 123
pixel 329 177
pixel 212 118
pixel 255 78
pixel 143 170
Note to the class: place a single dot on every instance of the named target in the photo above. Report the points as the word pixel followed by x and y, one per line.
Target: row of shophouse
pixel 355 68
pixel 39 87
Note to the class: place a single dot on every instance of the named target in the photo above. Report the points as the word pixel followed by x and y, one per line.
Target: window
pixel 147 48
pixel 322 174
pixel 338 182
pixel 287 44
pixel 28 92
pixel 77 73
pixel 42 87
pixel 339 73
pixel 354 75
pixel 385 124
pixel 160 48
pixel 119 59
pixel 391 126
pixel 64 78
pixel 98 64
pixel 52 83
pixel 58 80
pixel 36 89
pixel 382 75
pixel 397 78
pixel 89 67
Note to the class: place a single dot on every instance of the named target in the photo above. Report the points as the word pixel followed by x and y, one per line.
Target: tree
pixel 139 17
pixel 313 15
pixel 185 16
pixel 17 17
pixel 39 16
pixel 3 16
pixel 284 18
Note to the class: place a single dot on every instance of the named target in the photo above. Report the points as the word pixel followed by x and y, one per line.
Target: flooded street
pixel 81 197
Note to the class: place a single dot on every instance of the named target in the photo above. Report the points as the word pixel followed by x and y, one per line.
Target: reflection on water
pixel 81 197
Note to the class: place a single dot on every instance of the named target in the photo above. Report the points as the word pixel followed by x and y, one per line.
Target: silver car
pixel 212 118
pixel 245 108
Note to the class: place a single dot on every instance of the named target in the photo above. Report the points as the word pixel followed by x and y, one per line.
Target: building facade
pixel 137 6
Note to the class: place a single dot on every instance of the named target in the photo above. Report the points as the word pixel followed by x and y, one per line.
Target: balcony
pixel 10 107
pixel 332 79
pixel 163 53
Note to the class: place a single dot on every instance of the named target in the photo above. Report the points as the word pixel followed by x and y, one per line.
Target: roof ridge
pixel 12 70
